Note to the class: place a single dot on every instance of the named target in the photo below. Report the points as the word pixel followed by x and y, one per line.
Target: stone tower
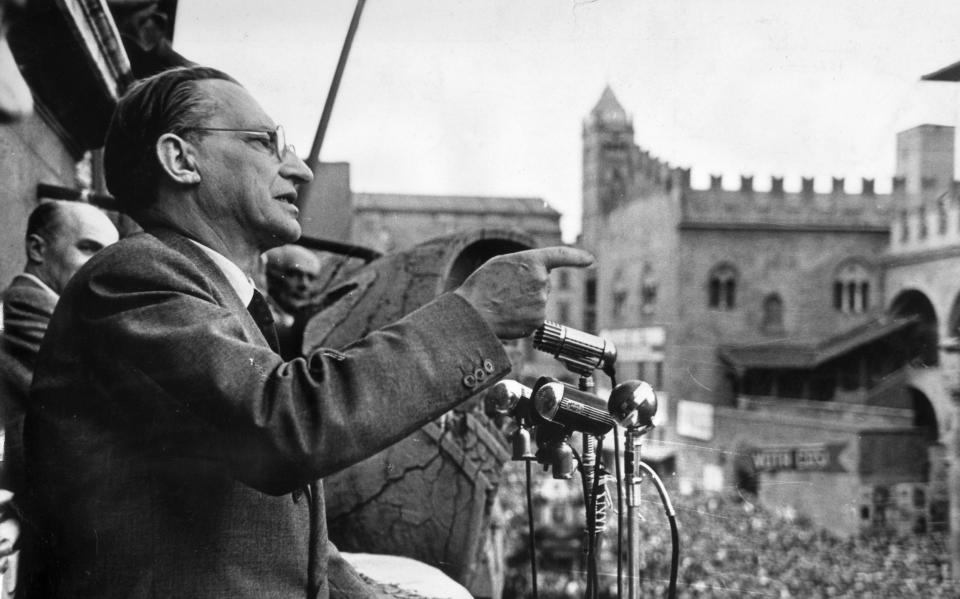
pixel 607 165
pixel 925 158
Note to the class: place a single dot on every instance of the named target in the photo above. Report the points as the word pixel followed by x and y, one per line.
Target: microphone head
pixel 505 396
pixel 633 403
pixel 580 352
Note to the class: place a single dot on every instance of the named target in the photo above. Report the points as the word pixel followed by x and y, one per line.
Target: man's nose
pixel 296 169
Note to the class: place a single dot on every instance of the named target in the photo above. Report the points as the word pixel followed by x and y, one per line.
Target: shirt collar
pixel 38 281
pixel 240 282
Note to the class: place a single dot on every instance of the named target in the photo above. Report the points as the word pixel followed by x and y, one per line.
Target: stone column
pixel 950 369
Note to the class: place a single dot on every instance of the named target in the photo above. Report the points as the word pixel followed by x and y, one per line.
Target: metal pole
pixel 631 459
pixel 313 160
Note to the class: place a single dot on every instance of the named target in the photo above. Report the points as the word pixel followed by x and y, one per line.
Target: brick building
pixel 763 319
pixel 393 222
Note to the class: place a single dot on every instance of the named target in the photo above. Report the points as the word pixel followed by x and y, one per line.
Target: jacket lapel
pixel 223 291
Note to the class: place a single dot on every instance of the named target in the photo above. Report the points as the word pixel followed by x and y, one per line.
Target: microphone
pixel 633 403
pixel 508 397
pixel 571 408
pixel 580 352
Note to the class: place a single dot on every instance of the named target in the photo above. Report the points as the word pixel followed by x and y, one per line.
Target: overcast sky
pixel 488 96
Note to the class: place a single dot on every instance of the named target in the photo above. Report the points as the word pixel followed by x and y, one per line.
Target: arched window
pixel 772 314
pixel 648 289
pixel 615 190
pixel 619 296
pixel 851 288
pixel 722 288
pixel 942 214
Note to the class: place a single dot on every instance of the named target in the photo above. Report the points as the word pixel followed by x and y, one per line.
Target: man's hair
pixel 45 220
pixel 168 102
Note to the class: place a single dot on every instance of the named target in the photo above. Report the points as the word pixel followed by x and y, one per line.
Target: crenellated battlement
pixel 659 173
pixel 803 203
pixel 803 206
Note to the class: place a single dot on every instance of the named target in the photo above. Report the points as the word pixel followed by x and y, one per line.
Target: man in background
pixel 293 274
pixel 61 236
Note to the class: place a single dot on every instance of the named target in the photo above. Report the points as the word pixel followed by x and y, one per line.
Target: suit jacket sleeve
pixel 168 349
pixel 26 311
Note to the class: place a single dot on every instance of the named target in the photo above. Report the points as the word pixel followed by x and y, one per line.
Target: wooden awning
pixel 806 355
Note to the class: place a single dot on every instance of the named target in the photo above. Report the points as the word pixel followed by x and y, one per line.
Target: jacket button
pixel 479 374
pixel 488 366
pixel 470 381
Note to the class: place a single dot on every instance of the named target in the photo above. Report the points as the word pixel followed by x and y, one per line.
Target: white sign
pixel 712 478
pixel 695 419
pixel 644 344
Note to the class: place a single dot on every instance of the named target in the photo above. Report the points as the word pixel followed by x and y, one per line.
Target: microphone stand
pixel 631 463
pixel 588 457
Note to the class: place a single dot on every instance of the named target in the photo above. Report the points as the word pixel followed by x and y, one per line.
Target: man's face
pixel 84 230
pixel 292 274
pixel 246 191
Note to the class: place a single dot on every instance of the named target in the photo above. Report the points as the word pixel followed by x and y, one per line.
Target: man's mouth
pixel 290 198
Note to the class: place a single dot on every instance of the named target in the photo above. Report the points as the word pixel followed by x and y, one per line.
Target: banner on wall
pixel 821 457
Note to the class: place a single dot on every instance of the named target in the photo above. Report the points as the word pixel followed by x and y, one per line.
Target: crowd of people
pixel 731 547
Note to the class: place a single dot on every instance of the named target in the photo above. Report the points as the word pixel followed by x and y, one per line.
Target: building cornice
pixel 921 256
pixel 785 227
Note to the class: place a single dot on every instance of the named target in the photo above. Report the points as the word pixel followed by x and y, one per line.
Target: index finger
pixel 560 255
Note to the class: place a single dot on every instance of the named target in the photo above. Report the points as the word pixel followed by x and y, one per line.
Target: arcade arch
pixel 923 344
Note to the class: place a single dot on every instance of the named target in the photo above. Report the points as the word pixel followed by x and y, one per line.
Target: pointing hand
pixel 510 290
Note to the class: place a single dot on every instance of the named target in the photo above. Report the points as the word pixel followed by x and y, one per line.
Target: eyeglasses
pixel 277 138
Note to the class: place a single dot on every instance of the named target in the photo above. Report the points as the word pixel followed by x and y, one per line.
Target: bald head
pixel 62 236
pixel 292 274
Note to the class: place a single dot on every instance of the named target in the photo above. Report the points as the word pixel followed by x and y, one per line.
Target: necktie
pixel 260 311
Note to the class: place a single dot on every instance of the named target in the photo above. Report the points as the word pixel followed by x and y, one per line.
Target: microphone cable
pixel 531 543
pixel 611 373
pixel 674 531
pixel 596 518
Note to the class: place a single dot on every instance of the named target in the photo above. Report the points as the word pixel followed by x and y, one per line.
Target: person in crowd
pixel 292 276
pixel 61 236
pixel 171 451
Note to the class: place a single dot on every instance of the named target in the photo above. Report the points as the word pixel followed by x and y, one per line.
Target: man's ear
pixel 178 159
pixel 36 249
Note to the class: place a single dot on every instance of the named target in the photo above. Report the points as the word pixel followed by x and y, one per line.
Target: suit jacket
pixel 167 446
pixel 27 308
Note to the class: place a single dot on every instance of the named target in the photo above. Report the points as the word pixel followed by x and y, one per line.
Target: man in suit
pixel 171 451
pixel 61 236
pixel 292 277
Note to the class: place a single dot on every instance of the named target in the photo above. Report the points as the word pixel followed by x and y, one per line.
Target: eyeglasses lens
pixel 280 139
